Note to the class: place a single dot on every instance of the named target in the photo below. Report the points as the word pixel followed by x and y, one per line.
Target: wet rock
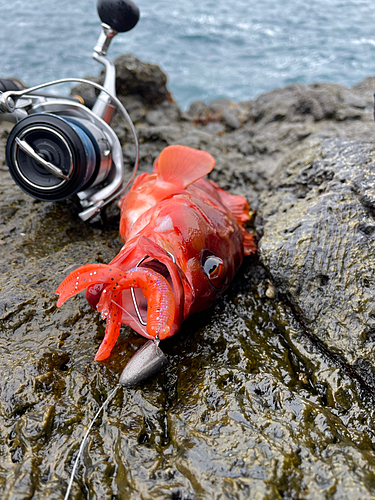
pixel 136 77
pixel 268 394
pixel 318 244
pixel 220 112
pixel 318 101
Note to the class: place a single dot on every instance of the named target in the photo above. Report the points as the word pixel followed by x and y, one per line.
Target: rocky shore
pixel 269 394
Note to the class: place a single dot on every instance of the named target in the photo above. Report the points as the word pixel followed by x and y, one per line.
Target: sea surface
pixel 209 48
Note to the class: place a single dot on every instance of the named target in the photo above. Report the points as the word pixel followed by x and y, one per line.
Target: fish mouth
pixel 163 262
pixel 139 301
pixel 133 304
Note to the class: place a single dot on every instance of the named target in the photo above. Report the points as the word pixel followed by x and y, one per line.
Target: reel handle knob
pixel 120 15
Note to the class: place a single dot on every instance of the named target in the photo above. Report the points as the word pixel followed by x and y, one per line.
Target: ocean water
pixel 209 48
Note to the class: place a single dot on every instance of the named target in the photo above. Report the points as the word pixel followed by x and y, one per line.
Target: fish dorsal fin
pixel 181 165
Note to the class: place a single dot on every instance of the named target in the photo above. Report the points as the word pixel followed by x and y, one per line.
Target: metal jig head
pixel 146 362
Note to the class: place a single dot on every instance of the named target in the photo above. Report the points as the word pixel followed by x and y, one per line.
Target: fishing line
pixel 84 441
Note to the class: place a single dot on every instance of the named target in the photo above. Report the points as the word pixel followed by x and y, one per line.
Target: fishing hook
pixel 141 320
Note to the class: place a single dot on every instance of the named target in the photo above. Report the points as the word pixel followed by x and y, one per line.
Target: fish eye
pixel 213 267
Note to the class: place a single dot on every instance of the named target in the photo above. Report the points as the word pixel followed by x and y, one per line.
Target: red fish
pixel 184 242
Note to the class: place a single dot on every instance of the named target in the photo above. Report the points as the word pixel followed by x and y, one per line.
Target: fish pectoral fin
pixel 181 165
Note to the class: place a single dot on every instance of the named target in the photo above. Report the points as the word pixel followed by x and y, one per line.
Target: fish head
pixel 206 244
pixel 134 304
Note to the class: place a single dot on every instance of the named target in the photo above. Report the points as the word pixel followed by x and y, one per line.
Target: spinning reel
pixel 59 147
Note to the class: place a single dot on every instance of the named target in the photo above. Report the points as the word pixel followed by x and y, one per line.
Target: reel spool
pixel 53 157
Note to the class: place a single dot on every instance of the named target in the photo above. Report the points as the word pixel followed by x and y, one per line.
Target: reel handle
pixel 120 15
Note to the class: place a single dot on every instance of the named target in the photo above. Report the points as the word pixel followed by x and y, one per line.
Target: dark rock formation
pixel 133 78
pixel 318 245
pixel 136 77
pixel 270 393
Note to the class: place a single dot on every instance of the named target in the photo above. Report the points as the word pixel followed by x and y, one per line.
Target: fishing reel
pixel 60 147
